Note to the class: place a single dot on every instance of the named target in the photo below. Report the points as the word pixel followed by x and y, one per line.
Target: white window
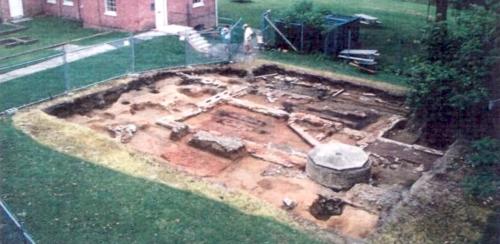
pixel 68 2
pixel 51 1
pixel 110 7
pixel 198 3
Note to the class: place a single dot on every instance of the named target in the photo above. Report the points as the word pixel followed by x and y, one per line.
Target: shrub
pixel 306 13
pixel 448 78
pixel 485 153
pixel 483 181
pixel 481 185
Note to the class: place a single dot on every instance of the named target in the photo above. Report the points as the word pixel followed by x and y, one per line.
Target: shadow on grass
pixel 63 199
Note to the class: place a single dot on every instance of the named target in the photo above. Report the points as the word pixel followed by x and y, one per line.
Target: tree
pixel 441 10
pixel 305 12
pixel 448 78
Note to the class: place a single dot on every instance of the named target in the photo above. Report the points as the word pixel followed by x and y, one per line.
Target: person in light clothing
pixel 226 34
pixel 247 41
pixel 226 40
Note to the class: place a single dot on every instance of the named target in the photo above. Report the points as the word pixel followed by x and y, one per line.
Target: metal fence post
pixel 65 68
pixel 325 44
pixel 349 40
pixel 401 63
pixel 302 37
pixel 132 53
pixel 186 48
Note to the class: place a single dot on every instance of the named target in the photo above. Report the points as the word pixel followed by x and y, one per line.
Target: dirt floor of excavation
pixel 273 167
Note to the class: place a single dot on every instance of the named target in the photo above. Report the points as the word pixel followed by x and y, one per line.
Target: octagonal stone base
pixel 338 166
pixel 337 179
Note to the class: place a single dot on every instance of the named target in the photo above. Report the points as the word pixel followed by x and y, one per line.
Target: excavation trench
pixel 255 135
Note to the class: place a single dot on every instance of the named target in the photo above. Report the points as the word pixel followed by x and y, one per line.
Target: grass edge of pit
pixel 86 144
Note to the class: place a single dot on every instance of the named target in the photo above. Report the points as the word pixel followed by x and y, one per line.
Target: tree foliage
pixel 448 78
pixel 493 5
pixel 305 12
pixel 481 185
pixel 485 153
pixel 483 181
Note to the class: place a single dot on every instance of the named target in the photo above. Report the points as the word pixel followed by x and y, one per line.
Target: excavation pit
pixel 274 121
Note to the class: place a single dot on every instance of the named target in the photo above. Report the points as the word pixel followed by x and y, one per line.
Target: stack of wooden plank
pixel 368 20
pixel 361 58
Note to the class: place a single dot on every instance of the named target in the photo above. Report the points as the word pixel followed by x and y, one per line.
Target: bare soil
pixel 260 112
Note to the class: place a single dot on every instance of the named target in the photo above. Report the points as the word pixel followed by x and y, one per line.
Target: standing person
pixel 226 40
pixel 247 41
pixel 225 33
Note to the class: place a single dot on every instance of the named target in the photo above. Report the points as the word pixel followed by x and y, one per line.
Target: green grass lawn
pixel 6 27
pixel 62 199
pixel 395 38
pixel 160 52
pixel 50 31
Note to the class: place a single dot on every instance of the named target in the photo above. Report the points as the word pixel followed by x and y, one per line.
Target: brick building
pixel 131 15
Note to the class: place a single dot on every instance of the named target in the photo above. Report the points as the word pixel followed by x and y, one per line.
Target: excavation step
pixel 228 147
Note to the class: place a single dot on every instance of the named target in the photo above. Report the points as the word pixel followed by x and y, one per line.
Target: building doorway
pixel 161 14
pixel 16 8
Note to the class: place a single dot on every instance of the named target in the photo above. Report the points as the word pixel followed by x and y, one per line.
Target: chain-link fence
pixel 55 71
pixel 340 32
pixel 11 231
pixel 206 47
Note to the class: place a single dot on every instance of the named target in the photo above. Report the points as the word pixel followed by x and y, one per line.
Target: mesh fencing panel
pixel 9 233
pixel 30 82
pixel 99 62
pixel 158 52
pixel 51 72
pixel 206 48
pixel 10 230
